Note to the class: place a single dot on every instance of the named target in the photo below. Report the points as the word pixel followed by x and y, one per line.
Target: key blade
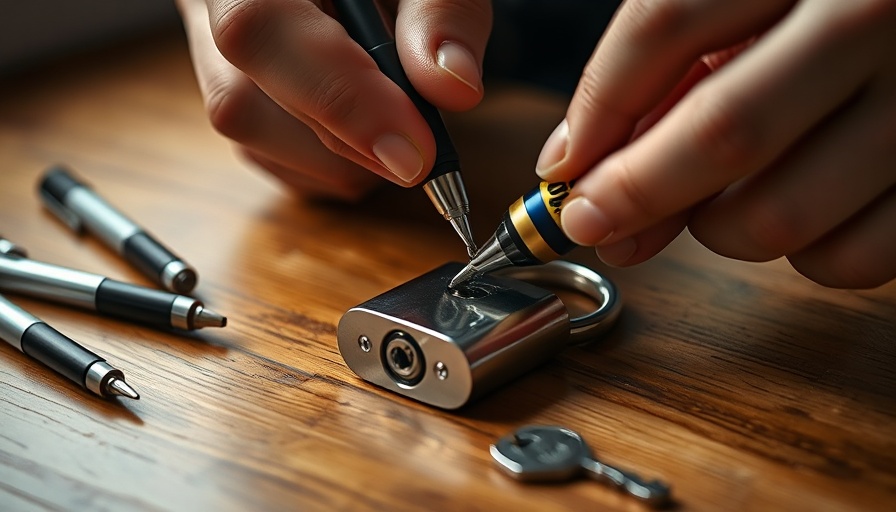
pixel 653 493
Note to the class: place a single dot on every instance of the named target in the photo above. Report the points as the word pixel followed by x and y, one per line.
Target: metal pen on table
pixel 36 339
pixel 81 208
pixel 106 296
pixel 444 184
pixel 529 234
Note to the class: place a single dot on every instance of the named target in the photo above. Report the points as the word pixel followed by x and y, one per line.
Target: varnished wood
pixel 745 386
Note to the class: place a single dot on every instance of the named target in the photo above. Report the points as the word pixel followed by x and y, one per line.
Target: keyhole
pixel 402 358
pixel 524 440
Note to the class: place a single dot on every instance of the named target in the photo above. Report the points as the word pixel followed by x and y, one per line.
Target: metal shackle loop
pixel 565 275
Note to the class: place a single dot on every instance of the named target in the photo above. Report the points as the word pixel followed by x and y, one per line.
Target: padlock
pixel 446 347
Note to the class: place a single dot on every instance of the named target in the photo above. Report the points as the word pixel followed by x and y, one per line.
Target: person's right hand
pixel 284 80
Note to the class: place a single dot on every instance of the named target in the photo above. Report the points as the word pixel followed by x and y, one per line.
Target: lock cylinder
pixel 402 358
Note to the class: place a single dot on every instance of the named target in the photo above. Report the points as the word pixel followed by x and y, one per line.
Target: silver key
pixel 548 453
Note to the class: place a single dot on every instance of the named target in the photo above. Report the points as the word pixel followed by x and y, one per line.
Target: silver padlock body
pixel 468 345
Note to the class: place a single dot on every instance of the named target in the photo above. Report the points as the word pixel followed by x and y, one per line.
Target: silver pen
pixel 101 294
pixel 81 208
pixel 38 340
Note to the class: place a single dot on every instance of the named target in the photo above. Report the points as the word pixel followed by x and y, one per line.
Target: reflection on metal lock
pixel 445 347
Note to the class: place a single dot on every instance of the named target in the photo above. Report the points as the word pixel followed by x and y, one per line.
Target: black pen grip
pixel 143 305
pixel 57 182
pixel 364 24
pixel 57 351
pixel 147 254
pixel 386 57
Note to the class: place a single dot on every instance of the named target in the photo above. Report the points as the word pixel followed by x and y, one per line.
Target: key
pixel 551 454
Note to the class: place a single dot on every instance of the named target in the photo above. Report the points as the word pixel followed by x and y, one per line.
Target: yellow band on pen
pixel 527 231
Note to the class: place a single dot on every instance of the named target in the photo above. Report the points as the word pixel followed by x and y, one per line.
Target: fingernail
pixel 553 151
pixel 584 223
pixel 459 62
pixel 398 154
pixel 617 253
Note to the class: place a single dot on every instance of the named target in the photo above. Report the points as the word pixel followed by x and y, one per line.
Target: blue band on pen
pixel 544 222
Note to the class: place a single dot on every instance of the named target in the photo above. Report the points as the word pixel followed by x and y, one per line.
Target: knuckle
pixel 590 96
pixel 634 191
pixel 333 99
pixel 334 144
pixel 462 10
pixel 772 230
pixel 229 107
pixel 844 268
pixel 658 20
pixel 240 28
pixel 722 133
pixel 589 89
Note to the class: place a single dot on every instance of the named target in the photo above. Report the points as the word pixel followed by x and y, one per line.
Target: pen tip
pixel 462 277
pixel 461 224
pixel 205 317
pixel 119 387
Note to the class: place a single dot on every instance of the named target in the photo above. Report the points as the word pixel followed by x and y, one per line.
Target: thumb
pixel 441 46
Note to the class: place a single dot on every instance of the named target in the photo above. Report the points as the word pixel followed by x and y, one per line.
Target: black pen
pixel 79 207
pixel 444 184
pixel 107 296
pixel 36 339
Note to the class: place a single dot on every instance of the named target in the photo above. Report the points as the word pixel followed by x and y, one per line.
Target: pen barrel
pixel 145 305
pixel 14 321
pixel 530 231
pixel 81 208
pixel 386 57
pixel 364 23
pixel 84 209
pixel 46 281
pixel 59 352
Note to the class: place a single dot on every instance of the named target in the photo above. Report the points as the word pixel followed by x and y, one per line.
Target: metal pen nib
pixel 116 386
pixel 449 196
pixel 490 258
pixel 204 317
pixel 462 226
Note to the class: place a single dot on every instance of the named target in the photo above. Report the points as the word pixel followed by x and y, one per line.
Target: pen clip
pixel 8 248
pixel 62 212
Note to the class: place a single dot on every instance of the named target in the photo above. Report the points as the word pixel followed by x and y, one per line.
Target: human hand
pixel 304 101
pixel 787 149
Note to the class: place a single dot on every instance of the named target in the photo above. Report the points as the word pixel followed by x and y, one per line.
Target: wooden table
pixel 745 386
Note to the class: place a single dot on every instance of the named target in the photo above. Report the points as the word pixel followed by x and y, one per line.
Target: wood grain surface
pixel 745 386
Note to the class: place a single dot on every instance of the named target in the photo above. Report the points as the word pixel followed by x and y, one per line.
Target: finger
pixel 699 70
pixel 647 49
pixel 442 45
pixel 861 254
pixel 809 192
pixel 318 186
pixel 242 112
pixel 728 126
pixel 306 62
pixel 644 245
